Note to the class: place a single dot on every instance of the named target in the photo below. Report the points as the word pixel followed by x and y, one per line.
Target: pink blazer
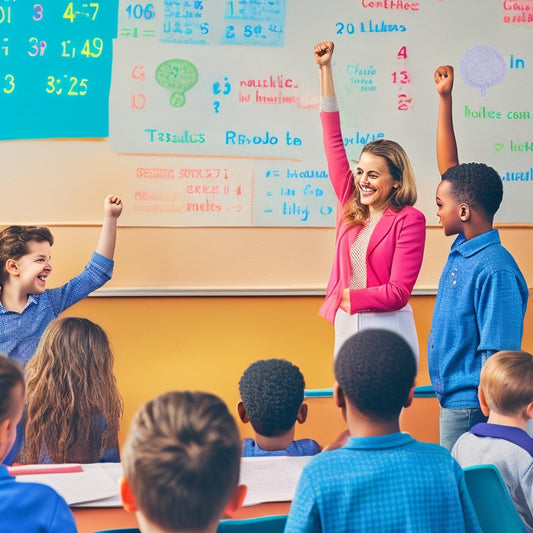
pixel 395 250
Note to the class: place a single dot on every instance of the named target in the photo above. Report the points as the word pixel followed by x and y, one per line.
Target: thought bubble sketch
pixel 178 75
pixel 482 66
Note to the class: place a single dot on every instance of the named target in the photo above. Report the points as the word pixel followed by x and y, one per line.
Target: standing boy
pixel 26 306
pixel 382 479
pixel 181 464
pixel 24 507
pixel 506 397
pixel 482 295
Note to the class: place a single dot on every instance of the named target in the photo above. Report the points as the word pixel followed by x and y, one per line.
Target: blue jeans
pixel 455 422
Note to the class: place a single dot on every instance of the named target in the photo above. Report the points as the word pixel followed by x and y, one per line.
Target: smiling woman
pixel 380 236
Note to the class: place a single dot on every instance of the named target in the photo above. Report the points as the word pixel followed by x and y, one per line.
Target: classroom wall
pixel 163 343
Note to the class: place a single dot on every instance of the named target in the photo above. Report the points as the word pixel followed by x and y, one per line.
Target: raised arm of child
pixel 108 235
pixel 446 144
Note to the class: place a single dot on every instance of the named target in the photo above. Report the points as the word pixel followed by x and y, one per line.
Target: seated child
pixel 24 507
pixel 382 479
pixel 506 397
pixel 181 463
pixel 73 405
pixel 272 395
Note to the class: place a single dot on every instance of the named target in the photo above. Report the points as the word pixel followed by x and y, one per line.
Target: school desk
pixel 89 520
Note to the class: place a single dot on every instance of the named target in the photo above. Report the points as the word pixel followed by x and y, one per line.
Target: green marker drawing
pixel 178 75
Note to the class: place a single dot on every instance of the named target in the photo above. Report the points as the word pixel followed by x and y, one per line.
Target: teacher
pixel 380 237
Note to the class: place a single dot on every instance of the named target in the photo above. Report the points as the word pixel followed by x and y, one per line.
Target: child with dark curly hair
pixel 272 400
pixel 482 295
pixel 381 479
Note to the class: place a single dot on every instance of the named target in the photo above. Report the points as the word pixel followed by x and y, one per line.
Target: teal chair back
pixel 262 524
pixel 120 530
pixel 494 508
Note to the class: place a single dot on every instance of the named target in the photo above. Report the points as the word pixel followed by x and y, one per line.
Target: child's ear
pixel 464 212
pixel 483 402
pixel 338 396
pixel 243 415
pixel 302 413
pixel 410 397
pixel 128 500
pixel 236 500
pixel 12 268
pixel 529 410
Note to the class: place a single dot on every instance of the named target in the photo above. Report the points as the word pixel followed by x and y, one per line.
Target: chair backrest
pixel 494 508
pixel 262 524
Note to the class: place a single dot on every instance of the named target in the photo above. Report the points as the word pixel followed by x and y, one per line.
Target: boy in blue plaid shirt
pixel 381 480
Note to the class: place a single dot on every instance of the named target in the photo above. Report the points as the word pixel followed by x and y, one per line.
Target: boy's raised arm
pixel 108 235
pixel 446 144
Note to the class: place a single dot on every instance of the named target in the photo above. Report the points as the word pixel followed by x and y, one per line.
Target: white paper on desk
pixel 95 483
pixel 271 479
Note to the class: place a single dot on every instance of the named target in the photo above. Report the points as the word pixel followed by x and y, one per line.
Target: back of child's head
pixel 376 369
pixel 11 374
pixel 272 391
pixel 182 460
pixel 507 382
pixel 477 185
pixel 14 244
pixel 70 383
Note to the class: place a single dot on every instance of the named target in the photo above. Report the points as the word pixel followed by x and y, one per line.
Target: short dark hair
pixel 11 374
pixel 14 244
pixel 182 459
pixel 476 184
pixel 376 369
pixel 272 391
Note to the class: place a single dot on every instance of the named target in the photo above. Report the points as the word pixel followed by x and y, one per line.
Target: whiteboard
pixel 240 143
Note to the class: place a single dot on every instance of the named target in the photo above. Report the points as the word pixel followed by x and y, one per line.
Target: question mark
pixel 216 105
pixel 175 72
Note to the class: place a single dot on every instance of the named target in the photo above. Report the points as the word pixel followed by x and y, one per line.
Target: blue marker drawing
pixel 482 66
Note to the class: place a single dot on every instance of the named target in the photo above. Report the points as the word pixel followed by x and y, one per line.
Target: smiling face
pixel 34 267
pixel 448 209
pixel 374 182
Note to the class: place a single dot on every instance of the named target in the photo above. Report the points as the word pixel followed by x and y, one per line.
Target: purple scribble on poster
pixel 482 66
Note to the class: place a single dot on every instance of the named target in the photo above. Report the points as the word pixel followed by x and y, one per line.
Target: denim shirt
pixel 20 332
pixel 479 310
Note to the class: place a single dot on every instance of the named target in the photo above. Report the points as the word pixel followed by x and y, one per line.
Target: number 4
pixel 402 53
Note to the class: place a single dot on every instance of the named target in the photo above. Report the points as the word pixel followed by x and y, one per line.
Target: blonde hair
pixel 182 459
pixel 71 393
pixel 401 171
pixel 507 382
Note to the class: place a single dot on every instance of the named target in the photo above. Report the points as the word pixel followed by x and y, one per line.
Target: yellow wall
pixel 205 343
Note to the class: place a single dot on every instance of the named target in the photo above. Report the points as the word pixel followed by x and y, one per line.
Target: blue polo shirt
pixel 297 448
pixel 479 310
pixel 20 332
pixel 32 508
pixel 382 484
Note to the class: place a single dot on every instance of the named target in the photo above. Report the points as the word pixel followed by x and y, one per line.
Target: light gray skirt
pixel 401 322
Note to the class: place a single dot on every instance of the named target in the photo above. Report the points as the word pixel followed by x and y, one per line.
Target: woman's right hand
pixel 323 52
